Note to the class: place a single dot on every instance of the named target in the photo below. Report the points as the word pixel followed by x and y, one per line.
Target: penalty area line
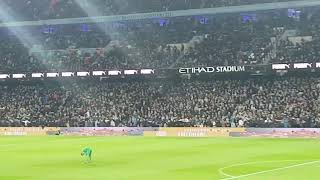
pixel 271 170
pixel 221 170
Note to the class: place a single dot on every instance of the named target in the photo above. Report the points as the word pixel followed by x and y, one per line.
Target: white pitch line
pixel 271 170
pixel 225 174
pixel 60 142
pixel 4 145
pixel 221 170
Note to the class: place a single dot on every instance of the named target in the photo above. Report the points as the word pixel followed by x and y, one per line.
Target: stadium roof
pixel 168 14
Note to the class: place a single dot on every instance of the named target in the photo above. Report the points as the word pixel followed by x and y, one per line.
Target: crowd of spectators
pixel 228 39
pixel 302 43
pixel 290 102
pixel 230 46
pixel 225 40
pixel 233 39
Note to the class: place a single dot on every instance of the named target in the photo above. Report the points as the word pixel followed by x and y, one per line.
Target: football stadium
pixel 159 89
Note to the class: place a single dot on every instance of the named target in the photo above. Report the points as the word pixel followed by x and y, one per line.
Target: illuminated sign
pixel 280 66
pixel 114 73
pixel 83 74
pixel 218 69
pixel 98 73
pixel 52 74
pixel 147 71
pixel 37 75
pixel 130 72
pixel 302 65
pixel 4 76
pixel 67 74
pixel 18 76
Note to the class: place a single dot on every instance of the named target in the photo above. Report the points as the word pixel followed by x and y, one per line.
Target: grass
pixel 142 158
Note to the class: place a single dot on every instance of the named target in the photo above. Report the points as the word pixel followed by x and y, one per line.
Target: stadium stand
pixel 225 103
pixel 255 38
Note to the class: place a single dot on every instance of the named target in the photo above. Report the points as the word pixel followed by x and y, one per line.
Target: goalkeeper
pixel 87 153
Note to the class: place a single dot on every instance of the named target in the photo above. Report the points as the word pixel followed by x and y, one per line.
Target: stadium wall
pixel 163 132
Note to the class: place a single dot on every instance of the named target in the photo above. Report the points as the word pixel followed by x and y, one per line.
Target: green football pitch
pixel 142 158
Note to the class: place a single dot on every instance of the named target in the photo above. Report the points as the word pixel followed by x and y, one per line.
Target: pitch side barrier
pixel 28 131
pixel 164 132
pixel 150 132
pixel 278 132
pixel 120 131
pixel 194 132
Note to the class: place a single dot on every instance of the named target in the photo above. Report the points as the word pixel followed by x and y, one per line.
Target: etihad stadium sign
pixel 217 69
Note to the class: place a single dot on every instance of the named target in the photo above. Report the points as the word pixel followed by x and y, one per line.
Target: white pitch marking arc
pixel 230 177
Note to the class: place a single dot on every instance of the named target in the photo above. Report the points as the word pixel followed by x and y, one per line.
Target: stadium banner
pixel 217 69
pixel 193 132
pixel 28 131
pixel 279 132
pixel 254 70
pixel 104 131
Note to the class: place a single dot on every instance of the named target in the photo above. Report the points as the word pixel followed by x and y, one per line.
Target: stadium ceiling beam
pixel 168 14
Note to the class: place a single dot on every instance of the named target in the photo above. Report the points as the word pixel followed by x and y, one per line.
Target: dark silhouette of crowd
pixel 222 103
